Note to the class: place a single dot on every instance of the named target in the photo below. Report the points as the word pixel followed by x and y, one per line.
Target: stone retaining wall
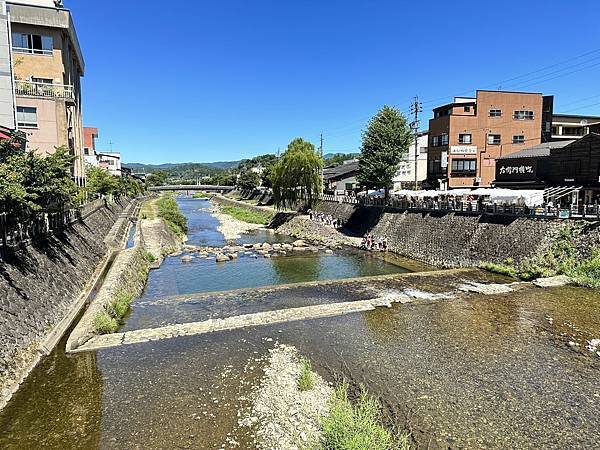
pixel 455 239
pixel 40 284
pixel 231 202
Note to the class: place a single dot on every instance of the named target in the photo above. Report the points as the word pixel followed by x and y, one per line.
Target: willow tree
pixel 296 177
pixel 386 140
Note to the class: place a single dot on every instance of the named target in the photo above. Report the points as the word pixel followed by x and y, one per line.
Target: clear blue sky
pixel 178 81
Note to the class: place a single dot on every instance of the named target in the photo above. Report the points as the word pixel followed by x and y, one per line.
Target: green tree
pixel 385 141
pixel 248 181
pixel 30 183
pixel 158 178
pixel 100 182
pixel 297 176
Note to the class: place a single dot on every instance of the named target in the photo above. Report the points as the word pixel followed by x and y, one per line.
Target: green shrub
pixel 507 270
pixel 588 272
pixel 357 427
pixel 168 210
pixel 104 323
pixel 306 380
pixel 120 305
pixel 248 215
pixel 200 195
pixel 148 256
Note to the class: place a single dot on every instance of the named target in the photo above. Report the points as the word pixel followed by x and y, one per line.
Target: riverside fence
pixel 590 212
pixel 14 231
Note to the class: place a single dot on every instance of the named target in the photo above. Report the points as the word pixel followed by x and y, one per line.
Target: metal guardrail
pixel 192 187
pixel 473 207
pixel 14 232
pixel 36 89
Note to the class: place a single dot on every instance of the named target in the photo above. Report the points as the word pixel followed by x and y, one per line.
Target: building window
pixel 518 139
pixel 464 167
pixel 435 141
pixel 467 109
pixel 523 115
pixel 42 80
pixel 32 43
pixel 495 113
pixel 27 117
pixel 494 139
pixel 464 138
pixel 444 139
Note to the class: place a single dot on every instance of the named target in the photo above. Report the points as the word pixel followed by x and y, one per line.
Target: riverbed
pixel 509 370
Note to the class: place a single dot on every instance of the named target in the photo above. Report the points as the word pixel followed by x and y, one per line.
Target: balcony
pixel 46 90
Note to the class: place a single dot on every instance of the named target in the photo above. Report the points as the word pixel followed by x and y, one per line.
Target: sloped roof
pixel 340 171
pixel 536 151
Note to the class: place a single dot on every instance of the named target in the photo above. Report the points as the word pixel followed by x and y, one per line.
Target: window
pixel 442 113
pixel 32 43
pixel 495 113
pixel 42 80
pixel 494 139
pixel 464 138
pixel 467 109
pixel 435 141
pixel 518 139
pixel 523 115
pixel 464 166
pixel 444 139
pixel 86 151
pixel 27 116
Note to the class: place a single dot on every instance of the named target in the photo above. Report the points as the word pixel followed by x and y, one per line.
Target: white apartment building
pixel 405 176
pixel 110 161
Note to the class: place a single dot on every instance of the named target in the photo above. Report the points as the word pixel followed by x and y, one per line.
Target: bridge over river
pixel 193 188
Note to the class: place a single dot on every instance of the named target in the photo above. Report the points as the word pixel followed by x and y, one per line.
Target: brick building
pixel 467 135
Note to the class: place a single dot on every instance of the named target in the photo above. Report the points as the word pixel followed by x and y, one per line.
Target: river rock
pixel 287 246
pixel 267 255
pixel 186 258
pixel 233 256
pixel 203 255
pixel 329 251
pixel 221 258
pixel 299 243
pixel 560 280
pixel 300 249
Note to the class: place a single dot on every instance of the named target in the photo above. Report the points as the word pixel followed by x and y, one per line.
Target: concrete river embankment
pixel 456 367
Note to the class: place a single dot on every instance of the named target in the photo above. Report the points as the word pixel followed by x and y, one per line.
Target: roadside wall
pixel 454 239
pixel 40 283
pixel 221 200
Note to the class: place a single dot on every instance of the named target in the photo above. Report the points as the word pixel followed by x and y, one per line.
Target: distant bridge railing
pixel 473 207
pixel 192 187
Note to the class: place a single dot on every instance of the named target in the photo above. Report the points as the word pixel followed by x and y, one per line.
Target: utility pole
pixel 322 164
pixel 415 109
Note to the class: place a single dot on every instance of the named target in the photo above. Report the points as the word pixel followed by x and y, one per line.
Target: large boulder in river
pixel 221 258
pixel 186 258
pixel 233 256
pixel 299 243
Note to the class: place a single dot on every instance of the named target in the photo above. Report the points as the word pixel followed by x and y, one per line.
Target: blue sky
pixel 204 81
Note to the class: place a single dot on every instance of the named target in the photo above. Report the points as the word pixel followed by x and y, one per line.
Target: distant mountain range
pixel 148 168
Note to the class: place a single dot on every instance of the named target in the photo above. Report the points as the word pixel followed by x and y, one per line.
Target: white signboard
pixel 463 149
pixel 444 160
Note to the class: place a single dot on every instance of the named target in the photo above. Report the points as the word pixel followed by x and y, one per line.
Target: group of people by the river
pixel 326 219
pixel 373 243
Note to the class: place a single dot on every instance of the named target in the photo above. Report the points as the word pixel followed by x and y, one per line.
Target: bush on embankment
pixel 247 215
pixel 168 210
pixel 200 195
pixel 559 259
pixel 132 274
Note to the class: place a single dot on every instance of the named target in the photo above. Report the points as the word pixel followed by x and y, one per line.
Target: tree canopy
pixel 248 181
pixel 385 141
pixel 30 183
pixel 297 176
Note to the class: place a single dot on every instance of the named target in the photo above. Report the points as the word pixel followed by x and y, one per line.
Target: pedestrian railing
pixel 14 231
pixel 473 207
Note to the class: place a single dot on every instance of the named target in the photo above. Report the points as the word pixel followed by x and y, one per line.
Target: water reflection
pixel 59 405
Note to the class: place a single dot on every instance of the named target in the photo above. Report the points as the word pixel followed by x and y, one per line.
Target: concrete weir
pixel 243 321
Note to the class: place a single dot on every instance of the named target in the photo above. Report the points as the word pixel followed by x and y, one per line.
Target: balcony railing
pixel 36 89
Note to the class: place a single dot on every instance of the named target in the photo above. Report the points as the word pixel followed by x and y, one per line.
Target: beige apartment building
pixel 48 65
pixel 467 135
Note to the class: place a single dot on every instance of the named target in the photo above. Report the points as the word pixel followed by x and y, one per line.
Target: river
pixel 483 371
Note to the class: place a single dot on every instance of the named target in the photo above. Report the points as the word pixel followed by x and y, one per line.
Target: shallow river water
pixel 474 372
